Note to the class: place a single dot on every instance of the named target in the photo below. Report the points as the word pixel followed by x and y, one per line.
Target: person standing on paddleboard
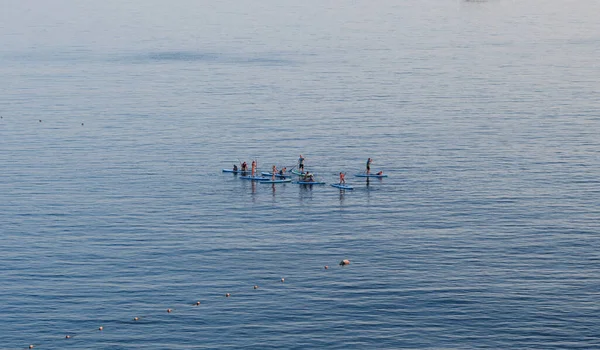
pixel 369 166
pixel 301 163
pixel 342 178
pixel 244 166
pixel 273 172
pixel 253 167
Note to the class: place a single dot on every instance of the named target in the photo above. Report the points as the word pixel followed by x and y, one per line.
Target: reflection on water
pixel 342 197
pixel 306 192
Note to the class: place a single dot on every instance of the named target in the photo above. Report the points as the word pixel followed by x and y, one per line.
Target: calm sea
pixel 118 116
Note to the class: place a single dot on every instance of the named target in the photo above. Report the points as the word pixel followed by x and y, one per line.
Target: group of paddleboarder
pixel 281 173
pixel 244 166
pixel 306 176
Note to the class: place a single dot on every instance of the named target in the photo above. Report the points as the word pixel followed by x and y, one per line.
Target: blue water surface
pixel 118 116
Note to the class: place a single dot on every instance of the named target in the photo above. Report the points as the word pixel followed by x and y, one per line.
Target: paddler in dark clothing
pixel 308 177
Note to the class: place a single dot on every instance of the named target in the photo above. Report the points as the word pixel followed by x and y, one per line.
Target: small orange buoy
pixel 345 262
pixel 227 295
pixel 100 328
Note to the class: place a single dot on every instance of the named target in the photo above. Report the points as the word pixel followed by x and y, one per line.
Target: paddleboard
pixel 275 181
pixel 342 187
pixel 235 171
pixel 371 175
pixel 270 174
pixel 300 173
pixel 310 182
pixel 255 178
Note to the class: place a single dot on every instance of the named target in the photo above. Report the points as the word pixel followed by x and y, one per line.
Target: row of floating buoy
pixel 170 310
